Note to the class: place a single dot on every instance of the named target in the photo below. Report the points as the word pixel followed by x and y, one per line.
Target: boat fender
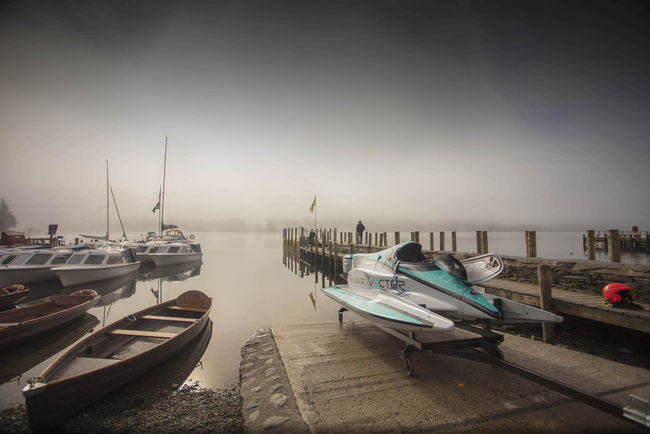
pixel 13 288
pixel 191 236
pixel 86 292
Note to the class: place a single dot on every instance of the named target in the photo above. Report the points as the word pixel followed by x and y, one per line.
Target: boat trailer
pixel 488 342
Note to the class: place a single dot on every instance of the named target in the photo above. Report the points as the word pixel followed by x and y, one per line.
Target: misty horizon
pixel 406 115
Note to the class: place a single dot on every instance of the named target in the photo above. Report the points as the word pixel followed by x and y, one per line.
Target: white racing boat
pixel 176 253
pixel 34 265
pixel 389 286
pixel 95 265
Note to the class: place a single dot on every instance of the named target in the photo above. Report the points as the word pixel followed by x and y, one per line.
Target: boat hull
pixel 387 310
pixel 12 275
pixel 32 328
pixel 50 404
pixel 13 298
pixel 163 259
pixel 79 275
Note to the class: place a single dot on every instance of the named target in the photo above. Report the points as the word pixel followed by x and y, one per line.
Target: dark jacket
pixel 360 227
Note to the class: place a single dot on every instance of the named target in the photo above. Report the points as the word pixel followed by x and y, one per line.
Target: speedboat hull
pixel 443 285
pixel 163 259
pixel 388 310
pixel 77 275
pixel 23 275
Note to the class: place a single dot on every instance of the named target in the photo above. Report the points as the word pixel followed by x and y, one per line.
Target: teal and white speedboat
pixel 401 289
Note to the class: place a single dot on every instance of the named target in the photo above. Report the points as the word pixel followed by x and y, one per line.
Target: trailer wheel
pixel 492 349
pixel 405 355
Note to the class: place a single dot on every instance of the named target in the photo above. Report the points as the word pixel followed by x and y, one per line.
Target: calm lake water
pixel 250 289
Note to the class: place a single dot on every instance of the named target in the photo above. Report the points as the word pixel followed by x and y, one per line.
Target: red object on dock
pixel 616 293
pixel 10 238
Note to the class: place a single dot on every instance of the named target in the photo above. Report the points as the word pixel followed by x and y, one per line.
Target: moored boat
pixel 95 265
pixel 31 266
pixel 113 356
pixel 176 253
pixel 12 294
pixel 22 323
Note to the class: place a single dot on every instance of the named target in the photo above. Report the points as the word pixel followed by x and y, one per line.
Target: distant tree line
pixel 7 218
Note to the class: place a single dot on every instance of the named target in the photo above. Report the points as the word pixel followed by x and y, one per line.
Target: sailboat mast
pixel 118 214
pixel 162 199
pixel 107 202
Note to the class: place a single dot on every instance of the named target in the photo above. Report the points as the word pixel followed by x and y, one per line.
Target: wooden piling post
pixel 376 238
pixel 417 236
pixel 591 245
pixel 385 239
pixel 397 237
pixel 531 244
pixel 322 263
pixel 442 241
pixel 453 242
pixel 545 279
pixel 614 243
pixel 431 241
pixel 484 241
pixel 330 265
pixel 479 244
pixel 336 260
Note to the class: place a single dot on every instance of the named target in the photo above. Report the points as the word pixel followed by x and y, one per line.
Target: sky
pixel 405 114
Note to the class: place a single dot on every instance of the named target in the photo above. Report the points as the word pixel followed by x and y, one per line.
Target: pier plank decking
pixel 567 302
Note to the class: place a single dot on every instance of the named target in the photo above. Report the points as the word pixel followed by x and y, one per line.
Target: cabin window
pixel 59 260
pixel 153 250
pixel 75 259
pixel 8 259
pixel 115 260
pixel 21 259
pixel 141 249
pixel 173 249
pixel 38 259
pixel 94 259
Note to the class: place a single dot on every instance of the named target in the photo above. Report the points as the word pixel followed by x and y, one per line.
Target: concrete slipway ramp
pixel 349 377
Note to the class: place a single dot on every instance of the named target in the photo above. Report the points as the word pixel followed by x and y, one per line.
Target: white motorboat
pixel 95 265
pixel 176 253
pixel 144 250
pixel 31 266
pixel 8 254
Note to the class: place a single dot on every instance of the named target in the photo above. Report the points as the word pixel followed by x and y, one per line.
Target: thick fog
pixel 404 114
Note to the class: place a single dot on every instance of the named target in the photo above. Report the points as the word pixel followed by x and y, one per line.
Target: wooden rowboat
pixel 113 356
pixel 12 294
pixel 22 323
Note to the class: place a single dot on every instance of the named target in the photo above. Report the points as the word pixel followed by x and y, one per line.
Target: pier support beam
pixel 531 244
pixel 545 278
pixel 397 237
pixel 591 245
pixel 484 241
pixel 454 247
pixel 614 245
pixel 442 241
pixel 431 241
pixel 479 245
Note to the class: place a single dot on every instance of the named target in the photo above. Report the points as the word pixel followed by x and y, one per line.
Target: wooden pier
pixel 324 252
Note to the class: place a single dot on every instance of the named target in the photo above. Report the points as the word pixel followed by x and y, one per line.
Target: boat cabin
pixel 36 258
pixel 94 258
pixel 175 249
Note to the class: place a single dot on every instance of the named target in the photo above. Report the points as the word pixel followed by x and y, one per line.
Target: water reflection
pixel 16 361
pixel 175 272
pixel 249 291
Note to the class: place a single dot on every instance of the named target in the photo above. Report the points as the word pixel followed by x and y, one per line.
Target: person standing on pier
pixel 360 229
